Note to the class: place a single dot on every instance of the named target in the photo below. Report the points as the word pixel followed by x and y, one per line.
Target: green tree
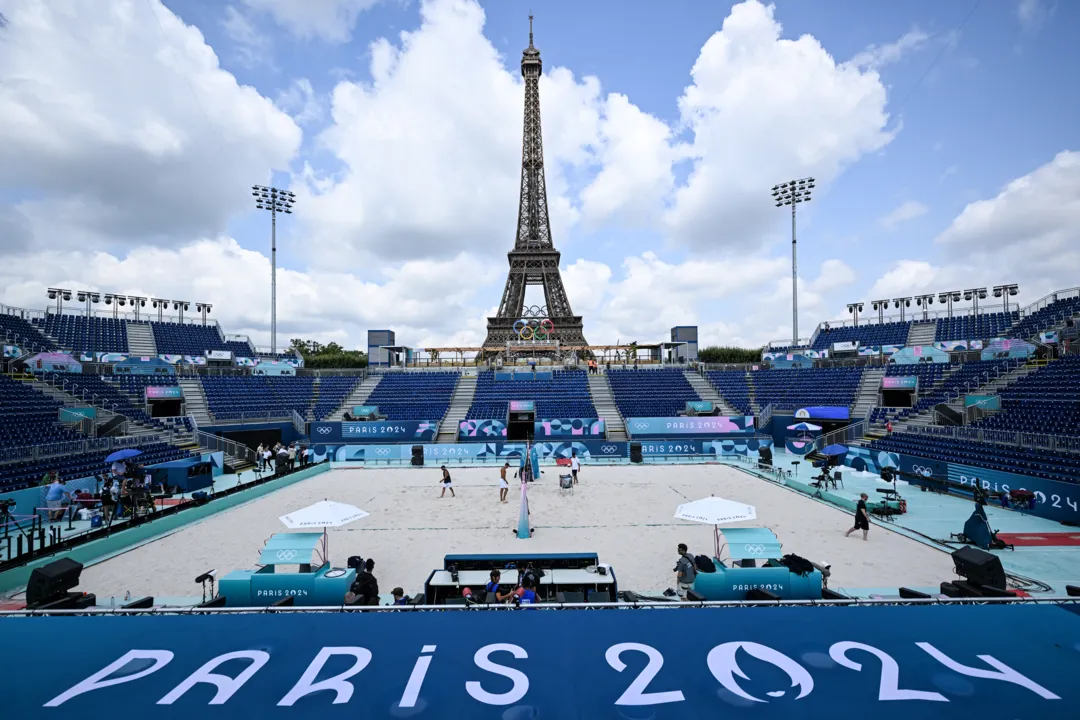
pixel 732 355
pixel 331 355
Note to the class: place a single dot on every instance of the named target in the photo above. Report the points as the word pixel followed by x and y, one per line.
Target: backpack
pixel 704 564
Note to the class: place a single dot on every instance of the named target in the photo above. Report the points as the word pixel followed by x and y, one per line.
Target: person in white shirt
pixel 575 465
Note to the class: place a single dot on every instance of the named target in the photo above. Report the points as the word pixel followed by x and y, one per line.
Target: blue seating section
pixel 566 395
pixel 1046 401
pixel 331 392
pixel 1045 318
pixel 414 395
pixel 238 348
pixel 929 374
pixel 79 333
pixel 28 417
pixel 983 327
pixel 176 339
pixel 968 374
pixel 135 385
pixel 651 393
pixel 271 396
pixel 16 476
pixel 16 331
pixel 1045 464
pixel 794 389
pixel 893 333
pixel 108 395
pixel 731 384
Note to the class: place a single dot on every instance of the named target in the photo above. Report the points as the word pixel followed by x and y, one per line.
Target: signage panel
pixel 164 392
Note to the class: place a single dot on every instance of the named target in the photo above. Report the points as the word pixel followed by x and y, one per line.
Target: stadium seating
pixel 893 333
pixel 108 395
pixel 796 389
pixel 28 417
pixel 929 374
pixel 14 476
pixel 81 333
pixel 731 384
pixel 959 378
pixel 983 327
pixel 1046 401
pixel 331 393
pixel 566 395
pixel 414 395
pixel 187 339
pixel 1045 464
pixel 257 396
pixel 1045 318
pixel 15 330
pixel 651 393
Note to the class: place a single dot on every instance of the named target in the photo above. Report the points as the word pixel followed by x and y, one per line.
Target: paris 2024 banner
pixel 880 662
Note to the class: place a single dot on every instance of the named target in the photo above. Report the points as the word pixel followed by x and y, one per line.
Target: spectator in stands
pixel 49 478
pixel 57 498
pixel 888 427
pixel 862 517
pixel 447 483
pixel 685 570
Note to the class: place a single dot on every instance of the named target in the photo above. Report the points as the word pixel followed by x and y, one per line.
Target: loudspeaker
pixel 51 581
pixel 909 594
pixel 418 455
pixel 348 417
pixel 979 566
pixel 635 452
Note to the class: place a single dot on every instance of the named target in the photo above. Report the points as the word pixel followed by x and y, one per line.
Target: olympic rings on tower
pixel 534 329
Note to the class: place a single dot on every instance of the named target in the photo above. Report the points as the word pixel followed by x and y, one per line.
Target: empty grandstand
pixel 986 326
pixel 187 339
pixel 1046 401
pixel 651 393
pixel 892 333
pixel 14 476
pixel 257 397
pixel 330 393
pixel 28 417
pixel 796 389
pixel 564 395
pixel 414 396
pixel 733 387
pixel 1054 312
pixel 18 331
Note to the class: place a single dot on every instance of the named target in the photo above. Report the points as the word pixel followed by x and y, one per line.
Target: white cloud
pixel 329 20
pixel 127 129
pixel 907 210
pixel 764 109
pixel 252 47
pixel 876 56
pixel 1033 14
pixel 300 100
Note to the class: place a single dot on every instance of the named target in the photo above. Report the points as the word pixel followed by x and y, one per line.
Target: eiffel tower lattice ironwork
pixel 534 259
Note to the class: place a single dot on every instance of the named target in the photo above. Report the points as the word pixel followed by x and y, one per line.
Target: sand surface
pixel 622 513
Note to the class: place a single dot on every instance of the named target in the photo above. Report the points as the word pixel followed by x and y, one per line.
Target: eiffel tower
pixel 534 259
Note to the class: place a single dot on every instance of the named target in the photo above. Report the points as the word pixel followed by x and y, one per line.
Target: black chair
pixel 570 597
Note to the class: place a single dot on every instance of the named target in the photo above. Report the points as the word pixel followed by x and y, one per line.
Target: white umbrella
pixel 716 511
pixel 324 514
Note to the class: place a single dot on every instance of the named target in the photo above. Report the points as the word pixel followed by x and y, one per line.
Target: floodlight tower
pixel 276 201
pixel 902 303
pixel 855 309
pixel 949 297
pixel 792 193
pixel 925 301
pixel 881 306
pixel 1004 291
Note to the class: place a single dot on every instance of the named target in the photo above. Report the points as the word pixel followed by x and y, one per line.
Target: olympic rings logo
pixel 920 470
pixel 754 549
pixel 641 426
pixel 534 329
pixel 324 430
pixel 286 554
pixel 608 449
pixel 382 451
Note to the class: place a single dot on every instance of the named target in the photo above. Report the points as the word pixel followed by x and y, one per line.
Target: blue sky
pixel 916 115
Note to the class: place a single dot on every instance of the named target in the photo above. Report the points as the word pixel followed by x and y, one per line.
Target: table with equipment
pixel 321 586
pixel 746 547
pixel 561 577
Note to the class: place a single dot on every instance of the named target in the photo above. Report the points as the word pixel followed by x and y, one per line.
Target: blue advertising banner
pixel 673 427
pixel 365 410
pixel 478 430
pixel 164 392
pixel 1007 348
pixel 906 382
pixel 823 413
pixel 379 431
pixel 986 402
pixel 674 447
pixel 569 427
pixel 699 406
pixel 73 414
pixel 908 661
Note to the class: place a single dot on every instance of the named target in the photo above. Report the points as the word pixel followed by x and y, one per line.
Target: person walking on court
pixel 575 465
pixel 685 570
pixel 447 484
pixel 504 485
pixel 862 518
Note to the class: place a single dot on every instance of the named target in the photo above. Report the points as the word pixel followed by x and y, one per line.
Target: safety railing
pixel 214 443
pixel 28 453
pixel 234 418
pixel 765 416
pixel 299 423
pixel 843 436
pixel 1042 441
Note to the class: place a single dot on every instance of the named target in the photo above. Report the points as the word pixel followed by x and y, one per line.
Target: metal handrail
pixel 1060 443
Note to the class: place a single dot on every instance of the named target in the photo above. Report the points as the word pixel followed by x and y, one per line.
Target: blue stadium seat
pixel 799 388
pixel 892 333
pixel 257 396
pixel 1044 318
pixel 80 333
pixel 651 393
pixel 15 476
pixel 187 339
pixel 330 393
pixel 414 395
pixel 565 395
pixel 732 386
pixel 1046 401
pixel 983 327
pixel 16 331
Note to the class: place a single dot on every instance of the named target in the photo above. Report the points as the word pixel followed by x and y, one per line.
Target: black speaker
pixel 348 417
pixel 979 566
pixel 418 455
pixel 51 581
pixel 635 452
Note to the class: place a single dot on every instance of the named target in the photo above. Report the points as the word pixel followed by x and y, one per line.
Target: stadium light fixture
pixel 181 306
pixel 855 309
pixel 902 303
pixel 975 295
pixel 161 305
pixel 59 295
pixel 925 301
pixel 881 306
pixel 275 201
pixel 949 297
pixel 136 303
pixel 792 193
pixel 1004 291
pixel 203 309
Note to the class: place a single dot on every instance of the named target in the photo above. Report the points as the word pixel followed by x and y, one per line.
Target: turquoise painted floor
pixel 931 517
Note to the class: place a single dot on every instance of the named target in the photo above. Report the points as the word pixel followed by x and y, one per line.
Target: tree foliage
pixel 733 355
pixel 331 355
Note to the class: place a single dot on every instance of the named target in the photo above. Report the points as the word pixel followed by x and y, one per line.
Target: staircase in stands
pixel 867 397
pixel 358 396
pixel 707 392
pixel 992 387
pixel 751 392
pixel 195 401
pixel 460 402
pixel 141 339
pixel 922 332
pixel 604 402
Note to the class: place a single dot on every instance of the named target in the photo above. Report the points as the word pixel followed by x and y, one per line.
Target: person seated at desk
pixel 399 597
pixel 525 595
pixel 84 500
pixel 365 589
pixel 493 587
